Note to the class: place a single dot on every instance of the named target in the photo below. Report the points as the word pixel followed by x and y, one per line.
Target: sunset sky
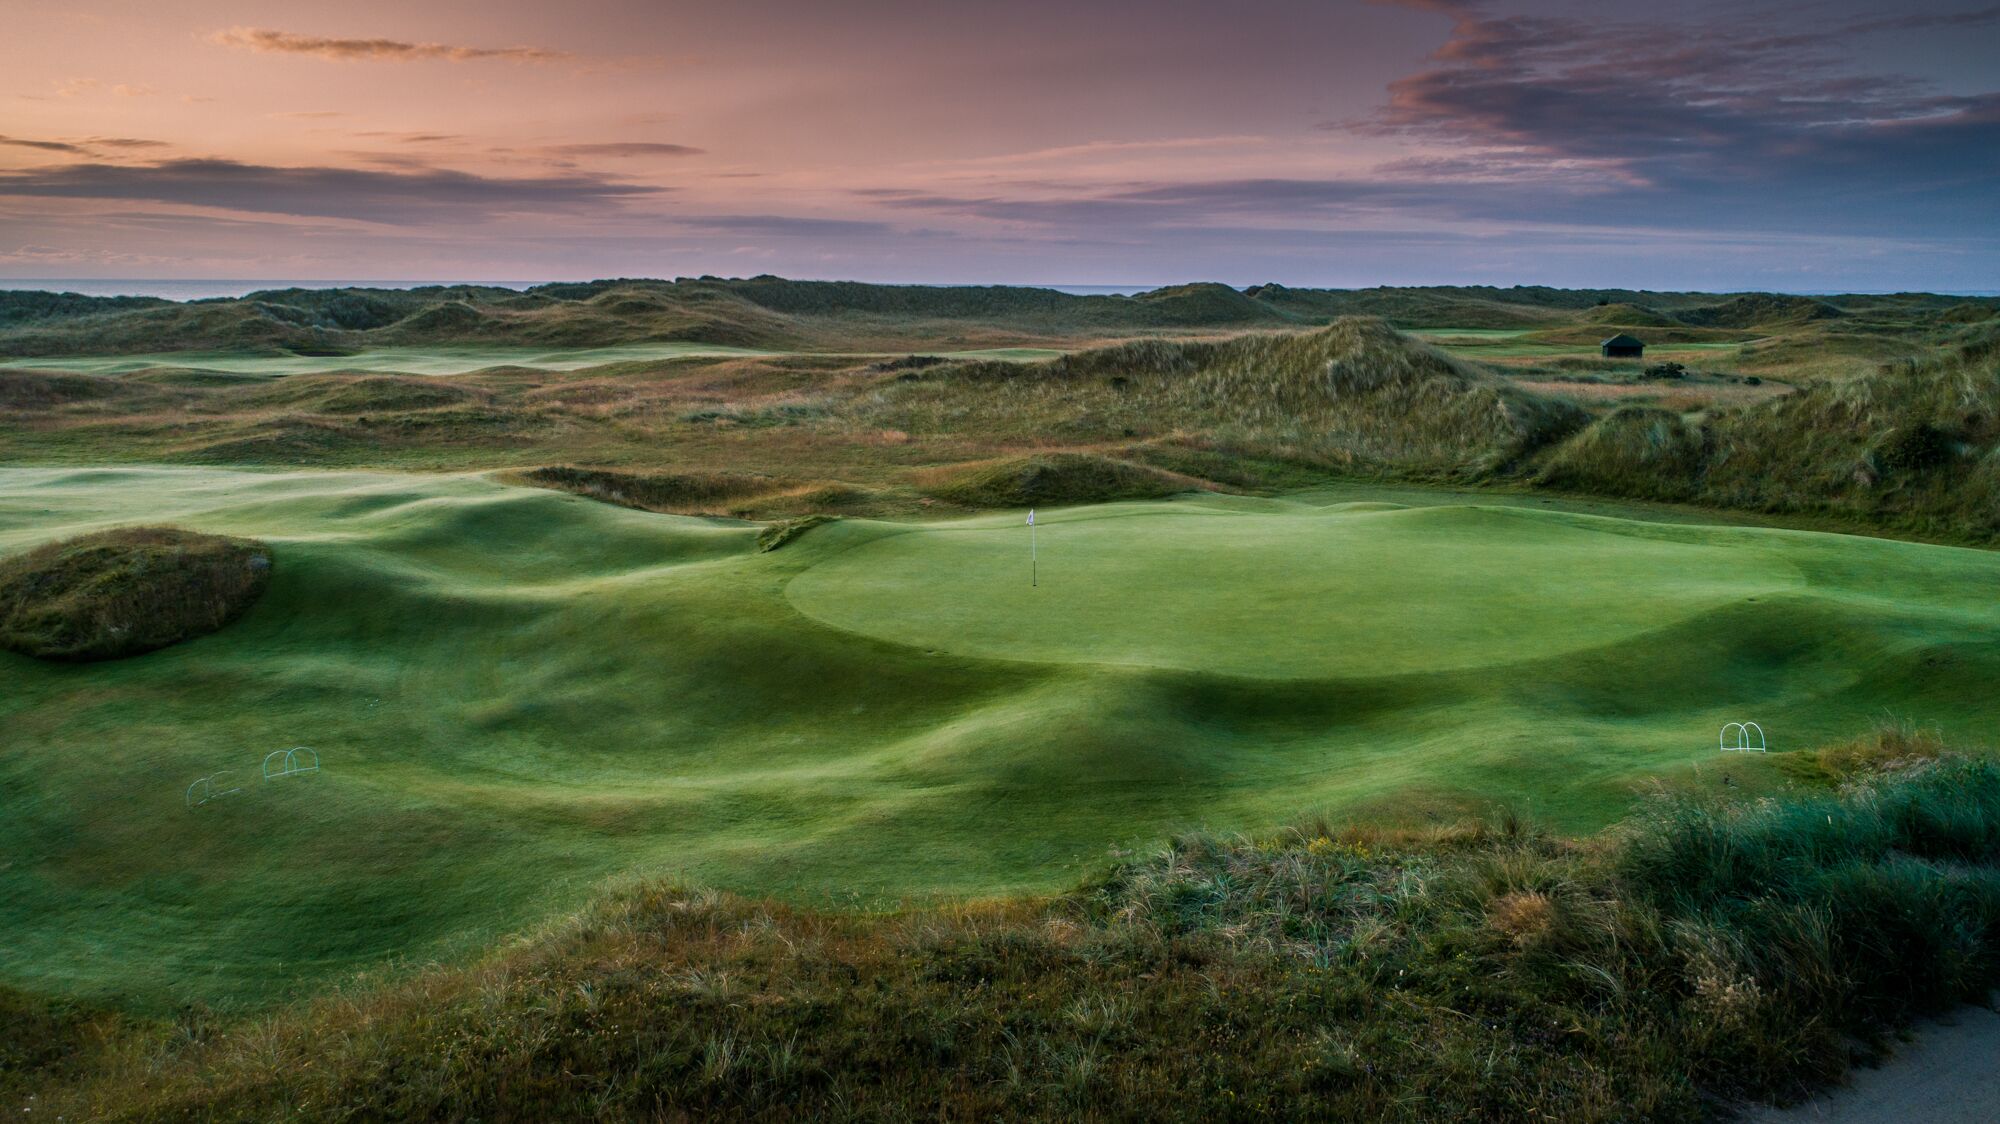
pixel 1840 145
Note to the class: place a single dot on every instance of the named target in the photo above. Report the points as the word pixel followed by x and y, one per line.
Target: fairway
pixel 520 696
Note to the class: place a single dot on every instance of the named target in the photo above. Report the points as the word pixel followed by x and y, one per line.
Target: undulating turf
pixel 519 695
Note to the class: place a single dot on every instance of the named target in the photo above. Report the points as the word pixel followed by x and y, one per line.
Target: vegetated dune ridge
pixel 519 694
pixel 1911 445
pixel 1917 442
pixel 772 312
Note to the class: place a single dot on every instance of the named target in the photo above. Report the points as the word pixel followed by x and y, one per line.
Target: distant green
pixel 520 695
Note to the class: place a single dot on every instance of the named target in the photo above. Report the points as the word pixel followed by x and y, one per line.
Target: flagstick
pixel 1034 567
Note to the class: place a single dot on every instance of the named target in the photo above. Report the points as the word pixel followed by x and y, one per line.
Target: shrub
pixel 1914 448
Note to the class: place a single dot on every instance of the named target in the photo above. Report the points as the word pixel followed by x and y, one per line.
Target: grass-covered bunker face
pixel 126 591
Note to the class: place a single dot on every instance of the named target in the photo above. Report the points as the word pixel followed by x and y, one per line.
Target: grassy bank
pixel 1701 954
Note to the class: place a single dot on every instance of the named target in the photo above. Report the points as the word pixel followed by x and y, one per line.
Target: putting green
pixel 519 696
pixel 1339 592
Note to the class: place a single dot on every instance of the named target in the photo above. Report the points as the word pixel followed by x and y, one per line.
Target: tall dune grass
pixel 1353 395
pixel 1916 444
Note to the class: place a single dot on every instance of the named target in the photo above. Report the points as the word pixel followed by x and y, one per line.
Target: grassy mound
pixel 1628 316
pixel 1761 310
pixel 384 394
pixel 124 592
pixel 1052 479
pixel 1356 394
pixel 291 440
pixel 1479 971
pixel 685 493
pixel 1648 451
pixel 41 390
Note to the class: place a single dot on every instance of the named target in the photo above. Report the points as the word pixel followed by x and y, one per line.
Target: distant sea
pixel 189 290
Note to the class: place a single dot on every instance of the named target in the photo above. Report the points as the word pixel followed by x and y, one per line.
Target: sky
pixel 1837 145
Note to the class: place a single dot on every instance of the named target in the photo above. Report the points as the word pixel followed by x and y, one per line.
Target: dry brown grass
pixel 1522 916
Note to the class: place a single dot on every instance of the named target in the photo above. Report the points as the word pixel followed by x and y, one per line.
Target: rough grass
pixel 1050 479
pixel 42 390
pixel 381 394
pixel 1914 445
pixel 1655 452
pixel 777 535
pixel 1702 955
pixel 678 493
pixel 1355 395
pixel 127 591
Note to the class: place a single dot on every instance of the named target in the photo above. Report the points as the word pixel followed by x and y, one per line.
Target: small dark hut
pixel 1622 346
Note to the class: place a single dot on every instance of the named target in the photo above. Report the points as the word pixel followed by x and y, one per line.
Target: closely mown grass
pixel 1701 955
pixel 126 591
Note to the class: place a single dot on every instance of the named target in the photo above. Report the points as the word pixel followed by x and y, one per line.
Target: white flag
pixel 1031 517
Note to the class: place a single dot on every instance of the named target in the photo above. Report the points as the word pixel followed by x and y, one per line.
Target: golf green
pixel 1334 592
pixel 519 696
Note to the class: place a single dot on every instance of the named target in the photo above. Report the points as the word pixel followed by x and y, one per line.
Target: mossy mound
pixel 1053 478
pixel 126 591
